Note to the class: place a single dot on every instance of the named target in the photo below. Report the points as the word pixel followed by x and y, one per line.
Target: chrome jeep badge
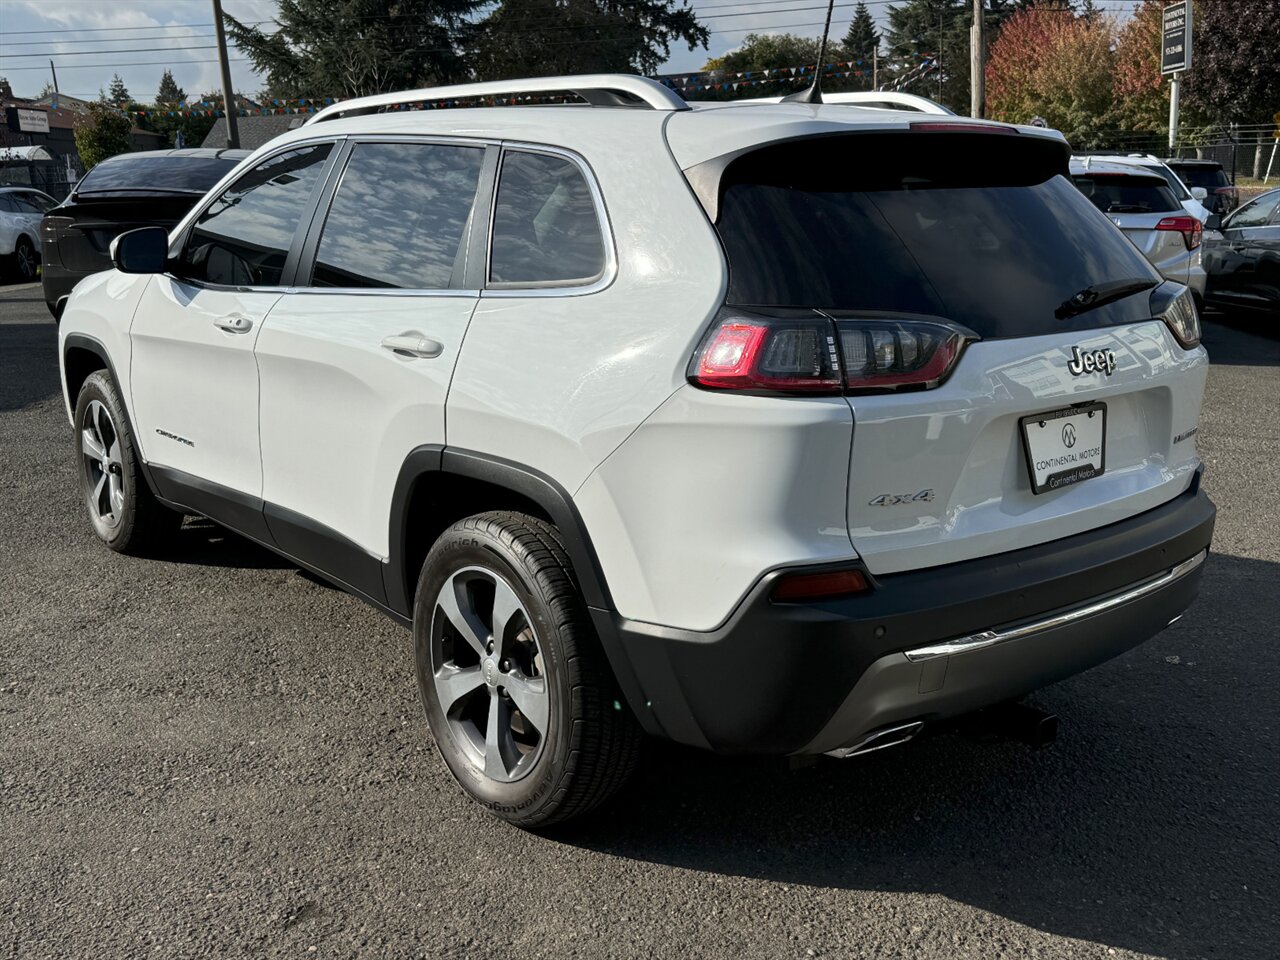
pixel 1092 361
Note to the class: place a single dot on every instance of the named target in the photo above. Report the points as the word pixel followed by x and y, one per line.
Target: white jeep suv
pixel 785 429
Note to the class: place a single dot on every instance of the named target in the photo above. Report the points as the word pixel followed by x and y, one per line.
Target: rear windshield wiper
pixel 1102 293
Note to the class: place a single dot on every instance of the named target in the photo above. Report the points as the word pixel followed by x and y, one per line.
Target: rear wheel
pixel 124 514
pixel 24 260
pixel 520 699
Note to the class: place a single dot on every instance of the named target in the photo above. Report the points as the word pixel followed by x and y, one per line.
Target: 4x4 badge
pixel 1092 361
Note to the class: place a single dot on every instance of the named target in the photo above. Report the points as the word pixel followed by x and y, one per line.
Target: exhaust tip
pixel 879 739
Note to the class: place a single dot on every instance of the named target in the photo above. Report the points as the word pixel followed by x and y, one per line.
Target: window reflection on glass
pixel 399 216
pixel 544 226
pixel 245 235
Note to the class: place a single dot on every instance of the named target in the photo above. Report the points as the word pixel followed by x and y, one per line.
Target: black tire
pixel 137 524
pixel 24 260
pixel 592 741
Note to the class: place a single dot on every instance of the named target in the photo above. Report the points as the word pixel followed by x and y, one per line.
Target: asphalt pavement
pixel 215 754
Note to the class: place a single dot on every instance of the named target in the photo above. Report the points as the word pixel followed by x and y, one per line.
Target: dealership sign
pixel 1175 47
pixel 28 121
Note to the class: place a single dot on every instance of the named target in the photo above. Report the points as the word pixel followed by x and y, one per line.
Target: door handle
pixel 411 343
pixel 235 323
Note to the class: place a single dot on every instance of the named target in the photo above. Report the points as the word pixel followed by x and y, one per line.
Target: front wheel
pixel 520 699
pixel 124 514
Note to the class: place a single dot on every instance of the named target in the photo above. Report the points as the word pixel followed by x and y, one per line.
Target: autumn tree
pixel 1058 67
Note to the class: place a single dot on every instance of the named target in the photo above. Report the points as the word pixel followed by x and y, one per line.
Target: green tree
pixel 117 93
pixel 103 135
pixel 169 93
pixel 355 47
pixel 760 52
pixel 532 38
pixel 862 41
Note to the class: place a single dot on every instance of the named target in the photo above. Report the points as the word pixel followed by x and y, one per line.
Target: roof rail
pixel 892 99
pixel 598 89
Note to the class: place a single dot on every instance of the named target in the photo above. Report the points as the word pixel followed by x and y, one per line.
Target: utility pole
pixel 941 43
pixel 875 68
pixel 55 84
pixel 977 61
pixel 228 95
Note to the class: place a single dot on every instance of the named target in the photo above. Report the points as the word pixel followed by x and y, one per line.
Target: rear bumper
pixel 788 679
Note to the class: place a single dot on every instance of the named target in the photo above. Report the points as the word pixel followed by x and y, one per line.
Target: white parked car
pixel 1189 198
pixel 21 210
pixel 1141 204
pixel 778 429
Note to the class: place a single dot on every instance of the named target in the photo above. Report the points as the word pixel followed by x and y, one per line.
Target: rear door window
pixel 399 216
pixel 545 226
pixel 1113 193
pixel 243 237
pixel 984 230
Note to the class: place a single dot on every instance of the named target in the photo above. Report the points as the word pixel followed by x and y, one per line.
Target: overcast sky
pixel 85 63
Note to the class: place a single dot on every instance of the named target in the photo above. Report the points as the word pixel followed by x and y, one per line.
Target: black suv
pixel 1222 196
pixel 151 189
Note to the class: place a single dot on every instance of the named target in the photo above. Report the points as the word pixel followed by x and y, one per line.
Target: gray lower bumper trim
pixel 988 638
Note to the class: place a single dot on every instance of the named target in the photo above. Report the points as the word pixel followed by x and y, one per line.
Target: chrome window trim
pixel 553 288
pixel 989 638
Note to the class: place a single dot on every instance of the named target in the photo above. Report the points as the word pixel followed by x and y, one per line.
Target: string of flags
pixel 686 83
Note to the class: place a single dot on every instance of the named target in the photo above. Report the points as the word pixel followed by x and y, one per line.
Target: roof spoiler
pixel 598 90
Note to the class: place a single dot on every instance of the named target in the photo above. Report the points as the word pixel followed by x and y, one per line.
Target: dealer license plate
pixel 1065 446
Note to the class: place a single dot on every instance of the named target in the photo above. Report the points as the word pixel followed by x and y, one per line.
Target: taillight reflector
pixel 1190 228
pixel 802 587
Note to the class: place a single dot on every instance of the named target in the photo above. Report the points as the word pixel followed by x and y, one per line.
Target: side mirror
pixel 1214 222
pixel 145 250
pixel 1200 193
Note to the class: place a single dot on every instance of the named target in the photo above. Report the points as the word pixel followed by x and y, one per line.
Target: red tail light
pixel 959 126
pixel 816 354
pixel 1190 228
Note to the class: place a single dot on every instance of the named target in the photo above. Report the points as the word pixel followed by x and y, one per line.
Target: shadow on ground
pixel 28 364
pixel 1243 339
pixel 1121 833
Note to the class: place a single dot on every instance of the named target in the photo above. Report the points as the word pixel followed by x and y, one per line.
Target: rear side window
pixel 243 238
pixel 1124 194
pixel 545 227
pixel 399 216
pixel 145 174
pixel 983 230
pixel 34 203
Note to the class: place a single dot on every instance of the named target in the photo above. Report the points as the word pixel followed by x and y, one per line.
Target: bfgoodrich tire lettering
pixel 124 514
pixel 498 623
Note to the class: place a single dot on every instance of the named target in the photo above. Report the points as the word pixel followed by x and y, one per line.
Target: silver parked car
pixel 1142 205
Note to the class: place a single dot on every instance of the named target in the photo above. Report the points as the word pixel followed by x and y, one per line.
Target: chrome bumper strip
pixel 989 638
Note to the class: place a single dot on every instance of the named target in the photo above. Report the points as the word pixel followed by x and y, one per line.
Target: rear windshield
pixel 1205 176
pixel 1122 194
pixel 156 174
pixel 984 230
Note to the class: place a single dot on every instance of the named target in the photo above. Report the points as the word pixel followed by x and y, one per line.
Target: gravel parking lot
pixel 214 754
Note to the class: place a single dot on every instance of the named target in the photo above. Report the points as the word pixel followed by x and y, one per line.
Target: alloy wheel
pixel 487 668
pixel 26 261
pixel 103 466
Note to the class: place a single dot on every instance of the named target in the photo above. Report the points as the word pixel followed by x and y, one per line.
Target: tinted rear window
pixel 156 174
pixel 1121 194
pixel 1206 176
pixel 983 230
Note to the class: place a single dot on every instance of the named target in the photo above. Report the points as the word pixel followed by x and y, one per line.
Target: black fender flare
pixel 552 499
